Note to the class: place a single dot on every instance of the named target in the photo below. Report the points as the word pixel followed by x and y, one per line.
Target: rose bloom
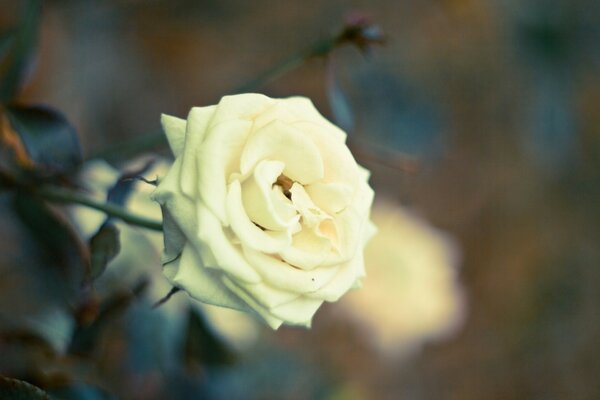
pixel 264 209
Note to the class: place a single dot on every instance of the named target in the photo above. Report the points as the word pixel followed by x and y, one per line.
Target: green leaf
pixel 65 256
pixel 18 50
pixel 104 246
pixel 41 139
pixel 202 345
pixel 14 389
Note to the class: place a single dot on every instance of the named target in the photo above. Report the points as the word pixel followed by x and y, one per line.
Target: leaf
pixel 104 246
pixel 87 334
pixel 14 389
pixel 125 185
pixel 340 106
pixel 202 345
pixel 65 256
pixel 41 138
pixel 80 391
pixel 18 49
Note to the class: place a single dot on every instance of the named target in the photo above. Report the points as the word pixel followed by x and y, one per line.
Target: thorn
pixel 167 297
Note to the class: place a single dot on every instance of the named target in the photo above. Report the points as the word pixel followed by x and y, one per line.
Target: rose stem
pixel 62 195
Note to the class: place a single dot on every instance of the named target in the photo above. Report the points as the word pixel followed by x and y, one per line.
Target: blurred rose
pixel 411 293
pixel 264 209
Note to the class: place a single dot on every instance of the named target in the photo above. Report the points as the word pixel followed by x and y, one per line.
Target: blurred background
pixel 480 122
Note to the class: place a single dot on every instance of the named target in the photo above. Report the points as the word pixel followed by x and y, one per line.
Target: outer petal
pixel 241 106
pixel 175 130
pixel 267 295
pixel 298 312
pixel 196 129
pixel 344 280
pixel 228 257
pixel 282 275
pixel 205 285
pixel 260 310
pixel 173 236
pixel 217 158
pixel 181 215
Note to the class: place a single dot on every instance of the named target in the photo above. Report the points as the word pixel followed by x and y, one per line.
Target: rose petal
pixel 307 251
pixel 298 312
pixel 248 233
pixel 201 283
pixel 267 295
pixel 229 258
pixel 282 275
pixel 277 111
pixel 345 278
pixel 245 106
pixel 175 131
pixel 331 197
pixel 181 209
pixel 260 310
pixel 173 236
pixel 217 159
pixel 304 110
pixel 338 163
pixel 264 204
pixel 282 142
pixel 195 132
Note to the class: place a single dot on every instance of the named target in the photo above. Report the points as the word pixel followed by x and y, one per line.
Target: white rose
pixel 264 209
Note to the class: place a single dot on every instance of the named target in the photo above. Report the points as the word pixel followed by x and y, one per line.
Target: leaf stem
pixel 63 195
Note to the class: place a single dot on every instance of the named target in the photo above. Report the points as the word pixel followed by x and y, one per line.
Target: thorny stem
pixel 63 195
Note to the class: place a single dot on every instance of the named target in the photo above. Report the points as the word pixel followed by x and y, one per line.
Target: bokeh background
pixel 480 119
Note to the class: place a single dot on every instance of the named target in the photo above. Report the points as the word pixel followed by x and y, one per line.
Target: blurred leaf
pixel 104 246
pixel 23 353
pixel 64 253
pixel 6 40
pixel 87 333
pixel 14 389
pixel 80 392
pixel 338 101
pixel 14 158
pixel 202 345
pixel 125 185
pixel 18 49
pixel 41 137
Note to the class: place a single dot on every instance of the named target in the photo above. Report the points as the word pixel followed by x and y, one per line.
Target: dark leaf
pixel 104 246
pixel 24 352
pixel 80 392
pixel 64 254
pixel 88 332
pixel 340 106
pixel 18 50
pixel 6 40
pixel 14 389
pixel 120 192
pixel 41 138
pixel 203 346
